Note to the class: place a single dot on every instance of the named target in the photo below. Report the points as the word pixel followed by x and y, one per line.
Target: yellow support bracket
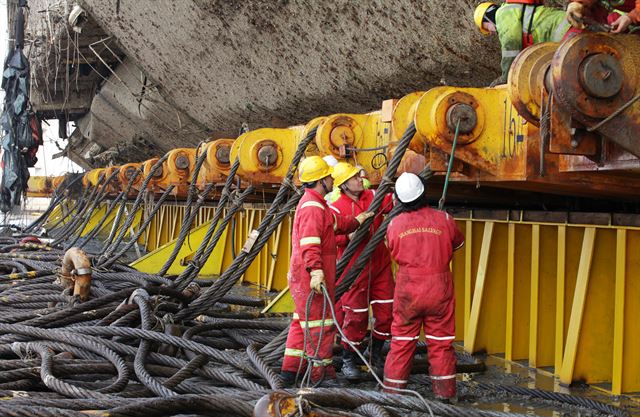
pixel 577 309
pixel 283 303
pixel 153 261
pixel 474 319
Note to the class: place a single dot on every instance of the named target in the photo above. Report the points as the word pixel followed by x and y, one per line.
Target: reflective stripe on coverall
pixel 422 243
pixel 374 286
pixel 548 25
pixel 313 247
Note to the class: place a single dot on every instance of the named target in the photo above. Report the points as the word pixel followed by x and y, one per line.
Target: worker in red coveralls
pixel 313 265
pixel 374 286
pixel 422 241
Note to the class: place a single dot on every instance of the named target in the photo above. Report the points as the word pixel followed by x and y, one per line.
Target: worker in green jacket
pixel 519 25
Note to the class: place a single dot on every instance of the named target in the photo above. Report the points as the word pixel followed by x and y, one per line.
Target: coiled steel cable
pixel 378 237
pixel 69 181
pixel 185 277
pixel 190 213
pixel 122 197
pixel 274 380
pixel 87 216
pixel 197 264
pixel 186 404
pixel 97 195
pixel 556 396
pixel 108 261
pixel 89 344
pixel 384 187
pixel 73 209
pixel 46 372
pixel 372 410
pixel 189 217
pixel 112 246
pixel 237 268
pixel 141 298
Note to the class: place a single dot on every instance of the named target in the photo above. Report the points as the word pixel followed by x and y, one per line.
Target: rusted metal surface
pixel 594 76
pixel 527 80
pixel 76 272
pixel 568 138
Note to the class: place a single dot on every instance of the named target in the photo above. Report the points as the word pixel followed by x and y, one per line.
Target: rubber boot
pixel 349 368
pixel 377 359
pixel 288 378
pixel 444 389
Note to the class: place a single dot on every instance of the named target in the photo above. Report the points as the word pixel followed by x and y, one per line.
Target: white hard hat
pixel 330 160
pixel 409 187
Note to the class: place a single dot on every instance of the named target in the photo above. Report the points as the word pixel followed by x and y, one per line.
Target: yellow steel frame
pixel 571 294
pixel 559 297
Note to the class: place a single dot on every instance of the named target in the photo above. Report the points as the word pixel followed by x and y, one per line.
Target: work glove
pixel 575 14
pixel 317 280
pixel 364 216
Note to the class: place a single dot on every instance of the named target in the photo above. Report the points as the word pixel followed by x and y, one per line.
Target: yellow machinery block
pixel 217 163
pixel 361 139
pixel 39 186
pixel 265 154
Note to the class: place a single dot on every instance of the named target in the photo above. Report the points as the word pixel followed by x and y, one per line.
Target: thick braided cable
pixel 383 189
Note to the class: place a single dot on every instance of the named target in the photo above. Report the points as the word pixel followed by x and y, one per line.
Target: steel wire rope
pixel 87 217
pixel 111 246
pixel 197 264
pixel 79 209
pixel 121 197
pixel 364 360
pixel 190 213
pixel 46 372
pixel 90 344
pixel 231 275
pixel 269 223
pixel 378 236
pixel 384 187
pixel 274 380
pixel 58 197
pixel 556 396
pixel 106 347
pixel 353 398
pixel 113 258
pixel 141 298
pixel 76 204
pixel 186 275
pixel 83 216
pixel 186 404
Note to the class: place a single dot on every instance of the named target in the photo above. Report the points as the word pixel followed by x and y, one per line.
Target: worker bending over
pixel 519 25
pixel 422 241
pixel 605 12
pixel 313 264
pixel 374 286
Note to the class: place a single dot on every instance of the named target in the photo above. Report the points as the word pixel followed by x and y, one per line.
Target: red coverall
pixel 373 286
pixel 313 247
pixel 422 243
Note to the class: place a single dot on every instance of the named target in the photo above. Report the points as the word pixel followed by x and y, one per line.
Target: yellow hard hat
pixel 478 15
pixel 313 169
pixel 342 172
